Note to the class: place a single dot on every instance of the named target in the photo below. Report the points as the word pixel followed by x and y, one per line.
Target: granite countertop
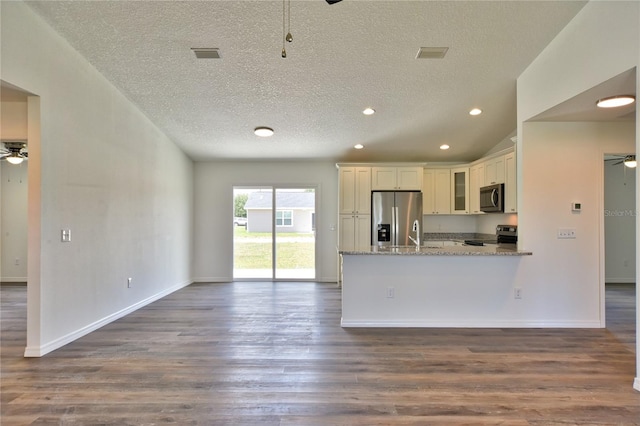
pixel 459 236
pixel 491 250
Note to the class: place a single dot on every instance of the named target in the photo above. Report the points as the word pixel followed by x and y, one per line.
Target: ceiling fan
pixel 627 160
pixel 15 152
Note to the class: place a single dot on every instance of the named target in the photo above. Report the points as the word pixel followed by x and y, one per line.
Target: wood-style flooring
pixel 275 354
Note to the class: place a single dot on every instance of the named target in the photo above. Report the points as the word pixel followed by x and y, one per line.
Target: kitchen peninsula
pixel 453 286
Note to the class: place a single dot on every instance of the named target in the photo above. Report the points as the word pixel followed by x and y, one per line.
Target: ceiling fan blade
pixel 333 1
pixel 5 154
pixel 619 162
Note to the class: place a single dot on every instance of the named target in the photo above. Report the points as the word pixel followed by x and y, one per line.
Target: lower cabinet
pixel 355 231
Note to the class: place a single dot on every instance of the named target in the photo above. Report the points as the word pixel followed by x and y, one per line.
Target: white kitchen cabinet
pixel 355 190
pixel 494 170
pixel 476 181
pixel 510 186
pixel 396 178
pixel 436 191
pixel 460 190
pixel 355 231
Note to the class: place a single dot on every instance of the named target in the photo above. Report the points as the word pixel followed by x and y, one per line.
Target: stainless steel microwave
pixel 492 198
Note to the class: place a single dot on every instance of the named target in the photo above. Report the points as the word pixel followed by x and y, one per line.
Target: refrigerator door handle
pixel 395 225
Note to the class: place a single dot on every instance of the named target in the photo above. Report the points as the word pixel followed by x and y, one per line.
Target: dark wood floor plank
pixel 274 354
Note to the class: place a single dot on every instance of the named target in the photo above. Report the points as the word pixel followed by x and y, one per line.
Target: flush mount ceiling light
pixel 358 146
pixel 615 101
pixel 444 146
pixel 475 111
pixel 369 111
pixel 630 161
pixel 263 132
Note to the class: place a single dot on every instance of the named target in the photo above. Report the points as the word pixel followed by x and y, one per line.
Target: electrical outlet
pixel 517 293
pixel 65 235
pixel 391 292
pixel 566 233
pixel 128 282
pixel 17 262
pixel 626 262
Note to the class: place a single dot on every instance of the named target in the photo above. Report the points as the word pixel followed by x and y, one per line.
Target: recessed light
pixel 444 146
pixel 615 101
pixel 359 146
pixel 369 111
pixel 475 111
pixel 263 132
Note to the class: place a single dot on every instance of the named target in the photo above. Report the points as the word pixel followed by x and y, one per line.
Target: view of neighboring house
pixel 295 211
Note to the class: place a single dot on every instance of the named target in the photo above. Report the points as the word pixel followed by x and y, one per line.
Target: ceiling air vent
pixel 431 52
pixel 206 53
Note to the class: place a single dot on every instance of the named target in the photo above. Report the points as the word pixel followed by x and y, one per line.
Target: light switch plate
pixel 566 233
pixel 65 235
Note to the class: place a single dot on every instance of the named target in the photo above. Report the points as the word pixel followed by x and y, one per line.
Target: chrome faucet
pixel 416 229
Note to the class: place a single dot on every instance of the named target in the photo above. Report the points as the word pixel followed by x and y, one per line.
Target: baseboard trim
pixel 13 279
pixel 212 280
pixel 620 280
pixel 467 324
pixel 39 351
pixel 636 384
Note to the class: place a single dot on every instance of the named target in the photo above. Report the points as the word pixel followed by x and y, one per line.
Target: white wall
pixel 562 277
pixel 619 223
pixel 214 182
pixel 105 172
pixel 13 197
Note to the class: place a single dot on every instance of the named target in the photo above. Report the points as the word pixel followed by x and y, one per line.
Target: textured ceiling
pixel 343 58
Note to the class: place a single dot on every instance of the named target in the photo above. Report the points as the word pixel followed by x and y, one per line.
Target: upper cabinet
pixel 396 178
pixel 436 191
pixel 476 181
pixel 510 186
pixel 460 190
pixel 355 190
pixel 494 170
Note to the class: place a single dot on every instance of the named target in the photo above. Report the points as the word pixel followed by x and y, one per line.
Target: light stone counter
pixel 464 250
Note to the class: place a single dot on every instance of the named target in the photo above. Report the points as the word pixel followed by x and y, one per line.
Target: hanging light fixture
pixel 630 161
pixel 286 17
pixel 15 158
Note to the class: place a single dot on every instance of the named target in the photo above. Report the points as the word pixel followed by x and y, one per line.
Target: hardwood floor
pixel 274 354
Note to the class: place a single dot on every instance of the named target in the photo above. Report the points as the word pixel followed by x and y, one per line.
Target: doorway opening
pixel 274 233
pixel 620 246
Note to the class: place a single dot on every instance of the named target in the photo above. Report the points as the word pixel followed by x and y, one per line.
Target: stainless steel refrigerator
pixel 393 215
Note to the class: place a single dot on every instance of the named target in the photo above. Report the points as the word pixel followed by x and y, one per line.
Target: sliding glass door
pixel 274 233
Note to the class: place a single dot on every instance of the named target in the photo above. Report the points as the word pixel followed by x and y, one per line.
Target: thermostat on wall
pixel 576 207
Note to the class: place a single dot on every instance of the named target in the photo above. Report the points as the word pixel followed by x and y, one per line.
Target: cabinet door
pixel 476 180
pixel 383 178
pixel 363 190
pixel 511 185
pixel 409 178
pixel 347 232
pixel 347 190
pixel 428 191
pixel 363 230
pixel 460 190
pixel 494 171
pixel 436 191
pixel 442 199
